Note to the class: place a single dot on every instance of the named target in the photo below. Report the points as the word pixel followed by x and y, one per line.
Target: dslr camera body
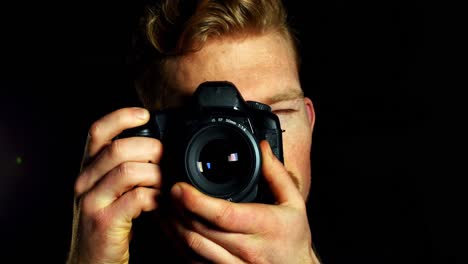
pixel 212 142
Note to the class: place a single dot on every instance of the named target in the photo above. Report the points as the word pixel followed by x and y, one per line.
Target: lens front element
pixel 223 161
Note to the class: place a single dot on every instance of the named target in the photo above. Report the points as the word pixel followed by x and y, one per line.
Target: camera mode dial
pixel 258 106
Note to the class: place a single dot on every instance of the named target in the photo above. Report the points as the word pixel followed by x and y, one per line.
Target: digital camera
pixel 212 142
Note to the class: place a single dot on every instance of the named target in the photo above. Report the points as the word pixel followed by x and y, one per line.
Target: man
pixel 249 44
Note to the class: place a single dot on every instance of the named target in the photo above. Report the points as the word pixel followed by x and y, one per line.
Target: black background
pixel 383 189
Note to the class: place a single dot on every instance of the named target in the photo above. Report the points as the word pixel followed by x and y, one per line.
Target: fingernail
pixel 176 191
pixel 141 114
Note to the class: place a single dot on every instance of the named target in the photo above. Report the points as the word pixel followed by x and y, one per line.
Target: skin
pixel 119 183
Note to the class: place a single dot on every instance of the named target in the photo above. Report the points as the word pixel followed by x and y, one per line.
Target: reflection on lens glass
pixel 223 160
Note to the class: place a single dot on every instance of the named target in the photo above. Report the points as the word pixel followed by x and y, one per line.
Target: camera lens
pixel 223 161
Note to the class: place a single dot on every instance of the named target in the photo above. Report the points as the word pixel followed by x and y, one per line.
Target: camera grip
pixel 153 128
pixel 274 138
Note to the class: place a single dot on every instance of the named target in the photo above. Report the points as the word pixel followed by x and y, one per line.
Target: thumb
pixel 278 178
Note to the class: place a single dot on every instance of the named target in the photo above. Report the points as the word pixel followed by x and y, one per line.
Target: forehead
pixel 262 67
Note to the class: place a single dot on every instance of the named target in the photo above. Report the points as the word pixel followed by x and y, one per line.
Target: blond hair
pixel 175 28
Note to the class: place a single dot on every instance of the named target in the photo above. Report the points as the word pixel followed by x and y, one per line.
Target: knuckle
pixel 87 204
pixel 126 169
pixel 94 130
pixel 252 255
pixel 98 219
pixel 194 241
pixel 77 186
pixel 116 149
pixel 139 195
pixel 225 215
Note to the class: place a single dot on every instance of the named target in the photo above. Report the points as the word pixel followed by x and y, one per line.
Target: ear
pixel 310 112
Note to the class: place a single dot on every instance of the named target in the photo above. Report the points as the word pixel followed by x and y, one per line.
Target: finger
pixel 278 178
pixel 228 216
pixel 205 247
pixel 106 128
pixel 122 179
pixel 133 149
pixel 130 205
pixel 235 243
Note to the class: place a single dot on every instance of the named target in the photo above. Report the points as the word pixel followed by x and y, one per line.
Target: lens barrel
pixel 223 160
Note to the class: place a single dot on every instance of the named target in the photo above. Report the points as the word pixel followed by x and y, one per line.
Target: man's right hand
pixel 119 179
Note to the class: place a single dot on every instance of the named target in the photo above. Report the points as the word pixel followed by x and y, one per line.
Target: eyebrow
pixel 285 96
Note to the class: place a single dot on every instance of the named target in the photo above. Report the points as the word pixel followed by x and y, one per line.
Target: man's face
pixel 263 69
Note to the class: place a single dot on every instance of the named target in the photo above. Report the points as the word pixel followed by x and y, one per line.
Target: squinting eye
pixel 284 111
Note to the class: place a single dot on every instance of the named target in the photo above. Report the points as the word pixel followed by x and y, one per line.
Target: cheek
pixel 296 149
pixel 297 154
pixel 296 140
